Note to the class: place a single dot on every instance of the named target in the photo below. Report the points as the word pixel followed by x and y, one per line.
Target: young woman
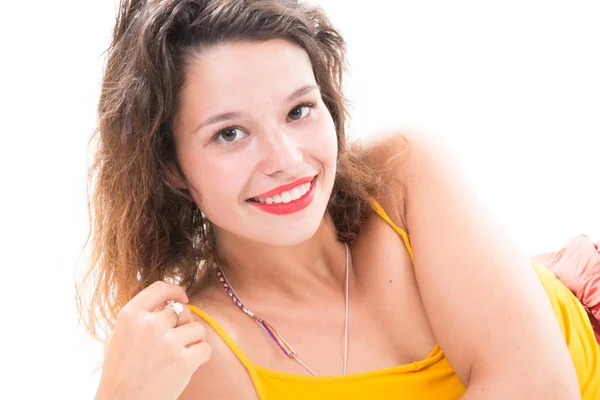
pixel 311 268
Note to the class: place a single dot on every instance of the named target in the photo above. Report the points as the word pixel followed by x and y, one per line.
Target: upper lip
pixel 287 186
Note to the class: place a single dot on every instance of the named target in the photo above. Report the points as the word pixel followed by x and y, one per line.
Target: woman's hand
pixel 152 354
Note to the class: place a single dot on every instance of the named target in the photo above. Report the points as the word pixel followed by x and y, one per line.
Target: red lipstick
pixel 294 205
pixel 287 186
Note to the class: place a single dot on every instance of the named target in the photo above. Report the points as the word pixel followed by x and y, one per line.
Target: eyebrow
pixel 236 114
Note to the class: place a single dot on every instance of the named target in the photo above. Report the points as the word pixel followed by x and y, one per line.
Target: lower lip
pixel 291 207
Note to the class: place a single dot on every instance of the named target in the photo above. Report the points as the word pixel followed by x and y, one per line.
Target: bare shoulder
pixel 397 156
pixel 402 155
pixel 214 379
pixel 486 306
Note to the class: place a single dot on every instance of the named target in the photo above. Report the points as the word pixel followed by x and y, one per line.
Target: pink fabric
pixel 577 265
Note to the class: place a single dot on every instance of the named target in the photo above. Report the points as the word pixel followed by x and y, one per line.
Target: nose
pixel 281 152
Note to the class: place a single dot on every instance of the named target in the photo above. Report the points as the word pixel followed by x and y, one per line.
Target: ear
pixel 174 176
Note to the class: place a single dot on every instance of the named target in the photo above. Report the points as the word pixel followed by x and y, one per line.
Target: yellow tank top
pixel 431 378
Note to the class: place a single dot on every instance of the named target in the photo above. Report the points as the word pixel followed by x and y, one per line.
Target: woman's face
pixel 255 141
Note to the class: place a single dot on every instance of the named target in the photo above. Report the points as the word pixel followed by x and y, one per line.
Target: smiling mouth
pixel 296 193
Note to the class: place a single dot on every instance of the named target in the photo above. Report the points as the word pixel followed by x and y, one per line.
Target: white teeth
pixel 287 196
pixel 295 193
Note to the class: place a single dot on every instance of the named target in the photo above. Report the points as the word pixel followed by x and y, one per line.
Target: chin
pixel 291 233
pixel 290 238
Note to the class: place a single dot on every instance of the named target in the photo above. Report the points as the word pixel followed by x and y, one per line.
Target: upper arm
pixel 486 306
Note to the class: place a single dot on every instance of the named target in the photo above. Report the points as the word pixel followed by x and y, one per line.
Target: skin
pixel 290 269
pixel 268 149
pixel 152 344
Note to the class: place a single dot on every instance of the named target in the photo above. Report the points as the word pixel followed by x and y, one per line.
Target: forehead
pixel 242 72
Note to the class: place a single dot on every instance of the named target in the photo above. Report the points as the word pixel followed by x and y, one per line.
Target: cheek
pixel 216 180
pixel 325 141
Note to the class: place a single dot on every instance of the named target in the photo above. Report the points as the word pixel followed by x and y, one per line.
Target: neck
pixel 298 273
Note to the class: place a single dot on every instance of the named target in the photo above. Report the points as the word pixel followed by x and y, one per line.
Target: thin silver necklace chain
pixel 346 316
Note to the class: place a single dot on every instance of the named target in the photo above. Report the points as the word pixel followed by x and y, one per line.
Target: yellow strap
pixel 379 210
pixel 238 352
pixel 234 348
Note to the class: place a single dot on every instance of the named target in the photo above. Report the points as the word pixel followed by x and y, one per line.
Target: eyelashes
pixel 309 106
pixel 229 134
pixel 221 134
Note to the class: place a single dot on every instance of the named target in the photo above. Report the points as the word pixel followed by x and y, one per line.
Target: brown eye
pixel 230 134
pixel 299 112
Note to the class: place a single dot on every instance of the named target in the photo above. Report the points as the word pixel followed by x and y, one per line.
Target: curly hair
pixel 142 228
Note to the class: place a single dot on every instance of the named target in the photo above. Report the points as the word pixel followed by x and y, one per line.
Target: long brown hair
pixel 143 229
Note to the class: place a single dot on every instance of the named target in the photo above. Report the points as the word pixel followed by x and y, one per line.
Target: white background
pixel 512 85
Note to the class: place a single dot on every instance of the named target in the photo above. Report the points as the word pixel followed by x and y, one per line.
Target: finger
pixel 157 294
pixel 188 334
pixel 167 317
pixel 199 354
pixel 170 318
pixel 185 317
